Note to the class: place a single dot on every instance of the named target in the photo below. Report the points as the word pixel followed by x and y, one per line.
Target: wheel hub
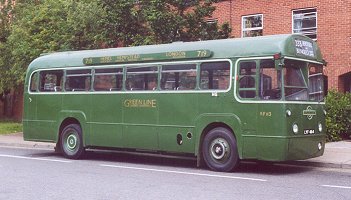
pixel 71 142
pixel 219 148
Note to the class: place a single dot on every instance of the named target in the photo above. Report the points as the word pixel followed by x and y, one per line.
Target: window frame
pixel 200 75
pixel 138 65
pixel 190 68
pixel 34 81
pixel 253 76
pixel 145 70
pixel 258 97
pixel 306 33
pixel 118 71
pixel 68 75
pixel 56 88
pixel 244 29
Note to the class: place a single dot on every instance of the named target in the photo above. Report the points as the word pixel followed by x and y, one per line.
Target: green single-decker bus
pixel 219 101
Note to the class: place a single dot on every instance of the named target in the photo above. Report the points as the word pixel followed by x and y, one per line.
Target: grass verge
pixel 7 127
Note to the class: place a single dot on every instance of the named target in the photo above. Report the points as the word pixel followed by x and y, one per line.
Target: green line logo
pixel 309 112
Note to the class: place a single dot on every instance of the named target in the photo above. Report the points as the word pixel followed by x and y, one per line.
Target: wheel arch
pixel 68 121
pixel 72 117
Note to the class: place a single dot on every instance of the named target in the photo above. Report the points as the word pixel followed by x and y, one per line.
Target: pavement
pixel 336 154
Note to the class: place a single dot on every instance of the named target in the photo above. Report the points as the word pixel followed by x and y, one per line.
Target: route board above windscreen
pixel 174 55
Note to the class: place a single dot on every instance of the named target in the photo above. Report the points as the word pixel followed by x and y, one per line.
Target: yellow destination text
pixel 140 103
pixel 176 54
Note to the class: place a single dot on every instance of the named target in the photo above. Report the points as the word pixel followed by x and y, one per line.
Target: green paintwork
pixel 226 48
pixel 153 120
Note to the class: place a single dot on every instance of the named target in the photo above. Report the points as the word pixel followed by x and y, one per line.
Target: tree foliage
pixel 51 25
pixel 181 20
pixel 43 26
pixel 160 21
pixel 5 16
pixel 123 23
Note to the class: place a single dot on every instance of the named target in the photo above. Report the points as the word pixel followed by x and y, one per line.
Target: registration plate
pixel 308 131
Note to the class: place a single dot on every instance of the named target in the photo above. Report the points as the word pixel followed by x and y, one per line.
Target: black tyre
pixel 220 151
pixel 71 142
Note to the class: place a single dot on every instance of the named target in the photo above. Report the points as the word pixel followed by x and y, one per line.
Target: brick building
pixel 326 21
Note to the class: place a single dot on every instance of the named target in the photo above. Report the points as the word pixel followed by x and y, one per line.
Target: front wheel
pixel 71 142
pixel 219 150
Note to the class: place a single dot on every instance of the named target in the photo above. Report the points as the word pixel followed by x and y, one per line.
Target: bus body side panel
pixel 77 106
pixel 29 115
pixel 41 116
pixel 247 113
pixel 271 132
pixel 177 112
pixel 106 120
pixel 48 108
pixel 139 121
pixel 218 108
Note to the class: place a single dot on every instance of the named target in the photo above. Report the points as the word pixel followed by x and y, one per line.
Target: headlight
pixel 295 128
pixel 288 113
pixel 320 127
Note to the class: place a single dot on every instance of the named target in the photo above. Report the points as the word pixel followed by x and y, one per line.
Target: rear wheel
pixel 71 142
pixel 219 150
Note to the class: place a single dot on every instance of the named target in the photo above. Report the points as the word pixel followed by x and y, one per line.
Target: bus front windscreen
pixel 303 81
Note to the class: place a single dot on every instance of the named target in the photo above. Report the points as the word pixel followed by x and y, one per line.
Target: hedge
pixel 338 118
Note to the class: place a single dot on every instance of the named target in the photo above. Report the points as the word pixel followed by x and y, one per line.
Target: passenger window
pixel 108 79
pixel 142 78
pixel 51 81
pixel 178 77
pixel 34 82
pixel 78 80
pixel 215 75
pixel 247 83
pixel 270 80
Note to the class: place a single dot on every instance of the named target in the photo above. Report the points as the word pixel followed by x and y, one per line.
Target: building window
pixel 252 25
pixel 305 22
pixel 212 21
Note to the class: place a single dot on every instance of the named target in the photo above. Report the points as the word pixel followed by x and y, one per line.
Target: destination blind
pixel 174 55
pixel 304 48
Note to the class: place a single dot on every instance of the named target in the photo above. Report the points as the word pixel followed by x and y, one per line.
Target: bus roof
pixel 290 45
